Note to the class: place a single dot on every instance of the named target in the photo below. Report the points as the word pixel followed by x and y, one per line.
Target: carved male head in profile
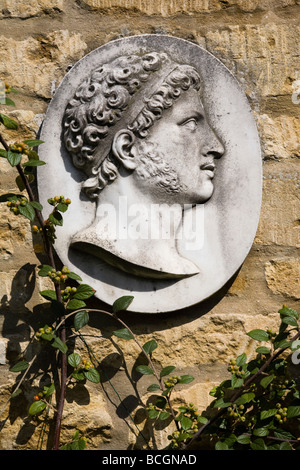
pixel 137 128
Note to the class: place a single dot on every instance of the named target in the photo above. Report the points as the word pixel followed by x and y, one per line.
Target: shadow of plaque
pixel 154 141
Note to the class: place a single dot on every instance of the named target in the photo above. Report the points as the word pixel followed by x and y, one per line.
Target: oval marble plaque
pixel 154 142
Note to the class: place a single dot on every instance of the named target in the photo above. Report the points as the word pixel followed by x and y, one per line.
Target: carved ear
pixel 122 148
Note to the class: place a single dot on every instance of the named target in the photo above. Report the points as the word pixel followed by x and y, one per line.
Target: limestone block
pixel 20 9
pixel 279 221
pixel 14 231
pixel 88 416
pixel 283 277
pixel 33 65
pixel 167 8
pixel 280 136
pixel 160 7
pixel 264 58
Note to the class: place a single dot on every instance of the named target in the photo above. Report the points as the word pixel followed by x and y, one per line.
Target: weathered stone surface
pixel 165 8
pixel 258 40
pixel 279 221
pixel 14 231
pixel 19 9
pixel 280 137
pixel 35 65
pixel 283 277
pixel 265 58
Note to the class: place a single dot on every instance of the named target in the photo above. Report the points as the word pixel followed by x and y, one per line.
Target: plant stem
pixel 50 255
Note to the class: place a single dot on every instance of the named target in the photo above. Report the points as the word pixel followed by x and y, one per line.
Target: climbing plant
pixel 256 408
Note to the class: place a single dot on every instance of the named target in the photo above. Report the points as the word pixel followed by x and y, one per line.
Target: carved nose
pixel 213 147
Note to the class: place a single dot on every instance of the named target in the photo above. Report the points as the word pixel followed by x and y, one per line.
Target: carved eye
pixel 190 124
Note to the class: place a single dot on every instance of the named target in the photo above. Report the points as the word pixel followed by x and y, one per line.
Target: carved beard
pixel 153 168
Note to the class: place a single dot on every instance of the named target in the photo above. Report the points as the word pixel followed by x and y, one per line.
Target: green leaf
pixel 153 388
pixel 56 219
pixel 14 158
pixel 33 155
pixel 80 320
pixel 22 365
pixel 84 291
pixel 161 402
pixel 9 102
pixel 80 444
pixel 186 379
pixel 48 391
pixel 92 375
pixel 236 382
pixel 186 423
pixel 258 444
pixel 202 420
pixel 267 413
pixel 44 269
pixel 243 439
pixel 289 321
pixel 285 446
pixel 263 350
pixel 258 335
pixel 293 411
pixel 48 336
pixel 221 446
pixel 36 205
pixel 245 398
pixel 284 343
pixel 124 333
pixel 74 360
pixel 241 360
pixel 37 407
pixel 48 294
pixel 58 344
pixel 286 311
pixel 150 346
pixel 266 381
pixel 145 370
pixel 167 370
pixel 75 304
pixel 284 435
pixel 3 153
pixel 122 303
pixel 74 276
pixel 33 142
pixel 153 413
pixel 164 415
pixel 33 163
pixel 261 432
pixel 62 207
pixel 220 403
pixel 78 375
pixel 8 122
pixel 27 211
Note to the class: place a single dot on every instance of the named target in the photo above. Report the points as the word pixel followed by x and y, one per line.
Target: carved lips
pixel 209 169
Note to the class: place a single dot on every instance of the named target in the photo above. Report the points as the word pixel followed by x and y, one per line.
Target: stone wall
pixel 258 40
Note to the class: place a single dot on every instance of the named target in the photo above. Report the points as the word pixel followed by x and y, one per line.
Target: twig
pixel 50 255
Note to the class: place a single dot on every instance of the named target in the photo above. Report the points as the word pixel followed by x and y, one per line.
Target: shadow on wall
pixel 19 324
